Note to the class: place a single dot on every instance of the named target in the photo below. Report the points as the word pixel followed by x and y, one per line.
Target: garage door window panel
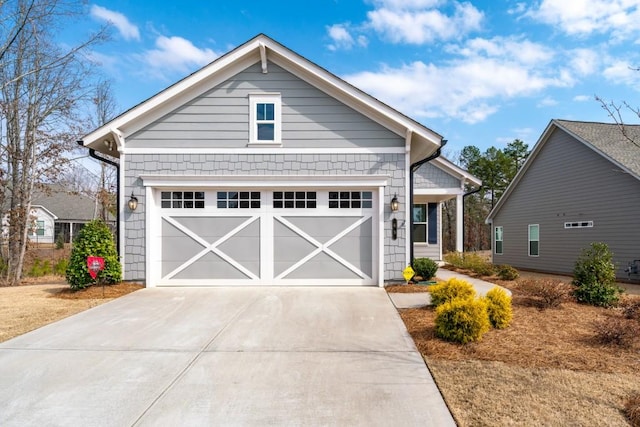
pixel 238 199
pixel 182 199
pixel 294 199
pixel 350 199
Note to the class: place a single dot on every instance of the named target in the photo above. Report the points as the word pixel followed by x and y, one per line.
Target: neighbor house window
pixel 498 240
pixel 579 224
pixel 265 118
pixel 534 239
pixel 420 223
pixel 182 199
pixel 38 228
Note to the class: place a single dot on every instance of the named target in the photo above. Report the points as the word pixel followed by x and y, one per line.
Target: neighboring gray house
pixel 580 184
pixel 57 212
pixel 264 169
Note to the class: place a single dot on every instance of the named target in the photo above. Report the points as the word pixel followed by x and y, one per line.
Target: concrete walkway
pixel 222 356
pixel 421 299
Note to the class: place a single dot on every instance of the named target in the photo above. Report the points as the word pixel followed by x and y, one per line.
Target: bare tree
pixel 41 85
pixel 615 111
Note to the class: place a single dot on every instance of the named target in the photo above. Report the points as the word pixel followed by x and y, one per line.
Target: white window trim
pixel 495 240
pixel 529 239
pixel 268 98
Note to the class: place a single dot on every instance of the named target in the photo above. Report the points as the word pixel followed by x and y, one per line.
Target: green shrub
pixel 60 241
pixel 499 308
pixel 470 261
pixel 425 267
pixel 506 272
pixel 462 320
pixel 594 277
pixel 95 239
pixel 451 289
pixel 60 268
pixel 39 268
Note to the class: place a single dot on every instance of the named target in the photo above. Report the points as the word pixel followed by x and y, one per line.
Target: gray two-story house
pixel 264 169
pixel 580 184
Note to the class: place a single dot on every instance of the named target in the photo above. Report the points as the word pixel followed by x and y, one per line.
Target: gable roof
pixel 64 205
pixel 111 138
pixel 620 144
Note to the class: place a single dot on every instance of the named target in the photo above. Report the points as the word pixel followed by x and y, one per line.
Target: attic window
pixel 265 118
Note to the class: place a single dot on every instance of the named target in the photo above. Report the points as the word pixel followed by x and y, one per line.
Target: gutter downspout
pixel 414 167
pixel 92 153
pixel 463 197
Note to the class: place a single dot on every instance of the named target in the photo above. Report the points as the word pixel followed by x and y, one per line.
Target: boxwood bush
pixel 425 267
pixel 95 239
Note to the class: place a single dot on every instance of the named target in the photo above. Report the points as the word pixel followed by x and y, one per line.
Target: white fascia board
pixel 437 191
pixel 45 210
pixel 349 94
pixel 265 181
pixel 449 167
pixel 186 89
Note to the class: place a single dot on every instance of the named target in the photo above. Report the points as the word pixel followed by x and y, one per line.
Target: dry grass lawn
pixel 30 306
pixel 545 369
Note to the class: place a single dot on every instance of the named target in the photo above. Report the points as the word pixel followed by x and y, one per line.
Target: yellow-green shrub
pixel 462 320
pixel 449 290
pixel 499 308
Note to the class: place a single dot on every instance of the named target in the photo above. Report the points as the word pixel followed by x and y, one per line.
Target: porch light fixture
pixel 395 205
pixel 133 202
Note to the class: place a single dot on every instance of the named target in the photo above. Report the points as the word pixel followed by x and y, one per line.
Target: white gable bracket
pixel 407 140
pixel 263 57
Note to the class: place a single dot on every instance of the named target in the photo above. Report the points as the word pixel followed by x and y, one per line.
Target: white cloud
pixel 621 72
pixel 423 24
pixel 547 101
pixel 583 98
pixel 128 30
pixel 341 39
pixel 176 54
pixel 584 61
pixel 584 17
pixel 471 87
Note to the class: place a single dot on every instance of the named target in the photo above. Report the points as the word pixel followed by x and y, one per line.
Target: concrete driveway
pixel 222 356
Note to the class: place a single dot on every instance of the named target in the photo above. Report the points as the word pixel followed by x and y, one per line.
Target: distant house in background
pixel 581 184
pixel 56 212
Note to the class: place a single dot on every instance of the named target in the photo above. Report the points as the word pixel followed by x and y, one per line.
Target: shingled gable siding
pixel 430 176
pixel 220 117
pixel 569 182
pixel 392 165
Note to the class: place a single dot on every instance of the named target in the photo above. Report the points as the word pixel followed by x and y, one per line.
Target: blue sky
pixel 478 72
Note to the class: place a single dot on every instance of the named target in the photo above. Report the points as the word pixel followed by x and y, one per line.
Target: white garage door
pixel 266 237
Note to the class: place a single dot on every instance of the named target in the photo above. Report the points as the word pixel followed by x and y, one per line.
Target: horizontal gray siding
pixel 431 176
pixel 569 182
pixel 220 117
pixel 392 165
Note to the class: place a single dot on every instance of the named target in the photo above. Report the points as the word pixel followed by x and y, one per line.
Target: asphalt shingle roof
pixel 609 139
pixel 65 205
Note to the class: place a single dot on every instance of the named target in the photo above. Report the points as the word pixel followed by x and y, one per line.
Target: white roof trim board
pixel 423 140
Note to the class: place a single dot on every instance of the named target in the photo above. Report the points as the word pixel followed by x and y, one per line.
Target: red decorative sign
pixel 95 264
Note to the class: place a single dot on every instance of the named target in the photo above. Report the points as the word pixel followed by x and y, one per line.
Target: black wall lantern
pixel 133 202
pixel 395 205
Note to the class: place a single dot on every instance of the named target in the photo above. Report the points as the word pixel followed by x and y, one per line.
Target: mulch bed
pixel 97 291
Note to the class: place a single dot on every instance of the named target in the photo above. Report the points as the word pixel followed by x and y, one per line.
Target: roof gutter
pixel 414 167
pixel 92 153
